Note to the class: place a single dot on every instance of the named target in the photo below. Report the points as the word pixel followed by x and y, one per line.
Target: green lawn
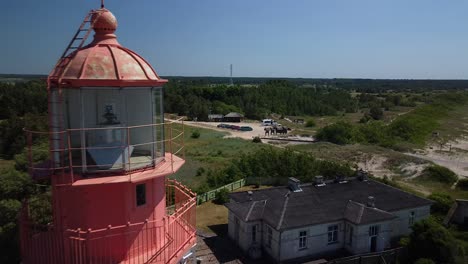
pixel 211 152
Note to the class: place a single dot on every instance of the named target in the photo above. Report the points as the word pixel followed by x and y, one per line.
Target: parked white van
pixel 268 122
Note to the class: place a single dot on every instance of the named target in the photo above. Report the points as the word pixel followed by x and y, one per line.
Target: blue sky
pixel 414 39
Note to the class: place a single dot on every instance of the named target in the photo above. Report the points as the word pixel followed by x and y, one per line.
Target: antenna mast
pixel 231 82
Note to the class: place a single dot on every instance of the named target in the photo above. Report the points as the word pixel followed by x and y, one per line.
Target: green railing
pixel 208 196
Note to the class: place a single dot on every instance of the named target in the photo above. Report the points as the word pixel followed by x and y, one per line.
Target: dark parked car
pixel 245 128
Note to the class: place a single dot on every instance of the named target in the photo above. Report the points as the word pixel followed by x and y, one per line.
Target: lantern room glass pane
pixel 114 128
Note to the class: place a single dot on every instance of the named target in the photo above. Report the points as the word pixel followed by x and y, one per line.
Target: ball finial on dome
pixel 104 21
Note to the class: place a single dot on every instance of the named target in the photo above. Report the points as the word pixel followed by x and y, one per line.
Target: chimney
pixel 250 195
pixel 319 181
pixel 294 184
pixel 371 201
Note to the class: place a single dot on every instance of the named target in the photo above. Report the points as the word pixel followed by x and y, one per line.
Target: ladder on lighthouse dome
pixel 76 43
pixel 57 139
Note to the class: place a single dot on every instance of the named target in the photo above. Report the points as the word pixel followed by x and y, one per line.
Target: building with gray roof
pixel 309 220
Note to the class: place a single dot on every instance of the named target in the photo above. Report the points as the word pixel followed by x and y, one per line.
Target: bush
pixel 463 184
pixel 222 196
pixel 195 134
pixel 424 261
pixel 440 174
pixel 376 113
pixel 339 133
pixel 200 171
pixel 431 240
pixel 442 204
pixel 310 123
pixel 256 140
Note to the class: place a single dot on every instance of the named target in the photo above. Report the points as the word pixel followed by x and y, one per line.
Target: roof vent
pixel 362 175
pixel 319 181
pixel 294 184
pixel 371 201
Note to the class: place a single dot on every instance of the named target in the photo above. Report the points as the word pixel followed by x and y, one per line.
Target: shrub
pixel 310 123
pixel 339 133
pixel 442 204
pixel 440 174
pixel 195 134
pixel 256 140
pixel 431 240
pixel 424 261
pixel 200 171
pixel 376 113
pixel 222 196
pixel 463 184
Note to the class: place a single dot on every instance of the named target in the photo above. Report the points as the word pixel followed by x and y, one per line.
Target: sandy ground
pixel 258 130
pixel 453 155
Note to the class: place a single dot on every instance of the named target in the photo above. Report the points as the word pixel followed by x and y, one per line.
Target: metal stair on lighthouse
pixel 56 102
pixel 76 43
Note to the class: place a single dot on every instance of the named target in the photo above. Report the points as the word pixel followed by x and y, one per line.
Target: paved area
pixel 214 248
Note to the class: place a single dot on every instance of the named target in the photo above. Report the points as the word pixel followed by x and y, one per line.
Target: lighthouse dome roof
pixel 104 62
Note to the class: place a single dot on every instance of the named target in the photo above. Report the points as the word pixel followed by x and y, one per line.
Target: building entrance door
pixel 373 244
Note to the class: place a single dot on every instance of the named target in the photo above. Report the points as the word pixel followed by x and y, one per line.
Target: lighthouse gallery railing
pixel 64 154
pixel 160 241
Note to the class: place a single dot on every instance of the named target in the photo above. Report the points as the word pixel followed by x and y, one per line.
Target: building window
pixel 302 239
pixel 269 237
pixel 411 218
pixel 332 234
pixel 254 233
pixel 140 194
pixel 350 234
pixel 373 231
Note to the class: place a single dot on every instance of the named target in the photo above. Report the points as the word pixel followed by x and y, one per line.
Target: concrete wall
pixel 243 238
pixel 460 213
pixel 401 225
pixel 272 251
pixel 361 239
pixel 317 241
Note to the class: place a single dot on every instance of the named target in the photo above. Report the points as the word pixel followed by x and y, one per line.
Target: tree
pixel 222 196
pixel 431 240
pixel 376 112
pixel 442 203
pixel 339 133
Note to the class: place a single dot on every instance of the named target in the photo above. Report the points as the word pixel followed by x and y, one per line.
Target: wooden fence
pixel 208 196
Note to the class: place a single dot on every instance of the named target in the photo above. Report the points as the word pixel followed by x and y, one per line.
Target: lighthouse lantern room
pixel 110 155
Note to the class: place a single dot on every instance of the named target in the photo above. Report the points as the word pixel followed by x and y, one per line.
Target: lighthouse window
pixel 140 194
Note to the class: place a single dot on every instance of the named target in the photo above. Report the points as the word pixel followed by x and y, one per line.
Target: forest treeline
pixel 198 100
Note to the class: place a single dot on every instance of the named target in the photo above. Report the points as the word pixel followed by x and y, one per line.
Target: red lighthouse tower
pixel 110 155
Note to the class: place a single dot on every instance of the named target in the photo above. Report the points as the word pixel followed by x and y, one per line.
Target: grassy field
pixel 355 153
pixel 211 214
pixel 211 152
pixel 5 164
pixel 321 121
pixel 454 125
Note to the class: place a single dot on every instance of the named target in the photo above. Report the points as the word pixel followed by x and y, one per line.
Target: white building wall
pixel 401 225
pixel 273 250
pixel 244 237
pixel 362 241
pixel 317 241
